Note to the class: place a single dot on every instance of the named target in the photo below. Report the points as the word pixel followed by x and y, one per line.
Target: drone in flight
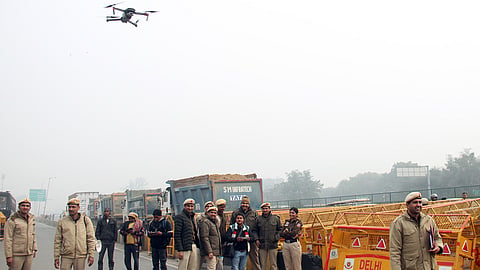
pixel 127 14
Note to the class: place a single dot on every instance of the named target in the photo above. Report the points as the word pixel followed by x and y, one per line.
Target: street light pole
pixel 46 195
pixel 428 181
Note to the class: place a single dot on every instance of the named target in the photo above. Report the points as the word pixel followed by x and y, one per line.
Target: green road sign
pixel 38 195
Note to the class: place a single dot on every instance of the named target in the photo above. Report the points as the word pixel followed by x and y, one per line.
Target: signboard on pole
pixel 412 171
pixel 38 195
pixel 415 171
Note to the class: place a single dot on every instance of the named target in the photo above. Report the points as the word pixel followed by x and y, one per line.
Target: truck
pixel 211 187
pixel 143 202
pixel 8 204
pixel 115 202
pixel 94 209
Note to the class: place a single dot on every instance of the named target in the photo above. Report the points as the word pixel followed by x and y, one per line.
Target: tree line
pixel 461 170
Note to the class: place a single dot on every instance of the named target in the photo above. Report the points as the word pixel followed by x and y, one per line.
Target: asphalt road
pixel 44 258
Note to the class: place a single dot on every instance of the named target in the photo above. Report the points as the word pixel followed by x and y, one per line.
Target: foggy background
pixel 205 87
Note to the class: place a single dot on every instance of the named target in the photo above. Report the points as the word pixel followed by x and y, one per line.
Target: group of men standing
pixel 74 242
pixel 414 238
pixel 75 239
pixel 202 237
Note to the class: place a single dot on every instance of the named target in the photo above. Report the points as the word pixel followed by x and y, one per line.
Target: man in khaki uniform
pixel 266 233
pixel 74 239
pixel 187 242
pixel 221 205
pixel 292 250
pixel 201 216
pixel 20 239
pixel 414 238
pixel 210 239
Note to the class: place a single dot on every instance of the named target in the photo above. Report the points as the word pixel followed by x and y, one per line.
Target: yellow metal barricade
pixel 171 247
pixel 474 211
pixel 318 225
pixel 361 241
pixel 3 220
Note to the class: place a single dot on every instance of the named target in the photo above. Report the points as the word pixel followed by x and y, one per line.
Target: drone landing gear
pixel 113 18
pixel 110 19
pixel 134 23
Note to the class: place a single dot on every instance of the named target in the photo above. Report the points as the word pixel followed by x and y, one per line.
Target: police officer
pixel 74 239
pixel 414 238
pixel 292 250
pixel 186 237
pixel 210 239
pixel 221 205
pixel 20 240
pixel 266 233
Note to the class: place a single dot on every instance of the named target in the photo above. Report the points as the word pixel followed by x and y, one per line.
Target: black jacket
pixel 106 232
pixel 185 231
pixel 234 232
pixel 160 241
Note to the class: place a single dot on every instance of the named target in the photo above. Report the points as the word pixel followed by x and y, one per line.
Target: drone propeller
pixel 113 17
pixel 112 5
pixel 147 13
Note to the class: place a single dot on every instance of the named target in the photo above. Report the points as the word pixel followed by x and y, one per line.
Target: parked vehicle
pixel 211 187
pixel 143 202
pixel 8 204
pixel 116 203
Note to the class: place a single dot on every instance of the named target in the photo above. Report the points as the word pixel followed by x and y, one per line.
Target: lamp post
pixel 46 195
pixel 428 181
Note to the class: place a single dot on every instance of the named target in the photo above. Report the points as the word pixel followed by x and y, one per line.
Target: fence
pixel 376 198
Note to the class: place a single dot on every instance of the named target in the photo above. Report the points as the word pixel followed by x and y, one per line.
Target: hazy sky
pixel 203 87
